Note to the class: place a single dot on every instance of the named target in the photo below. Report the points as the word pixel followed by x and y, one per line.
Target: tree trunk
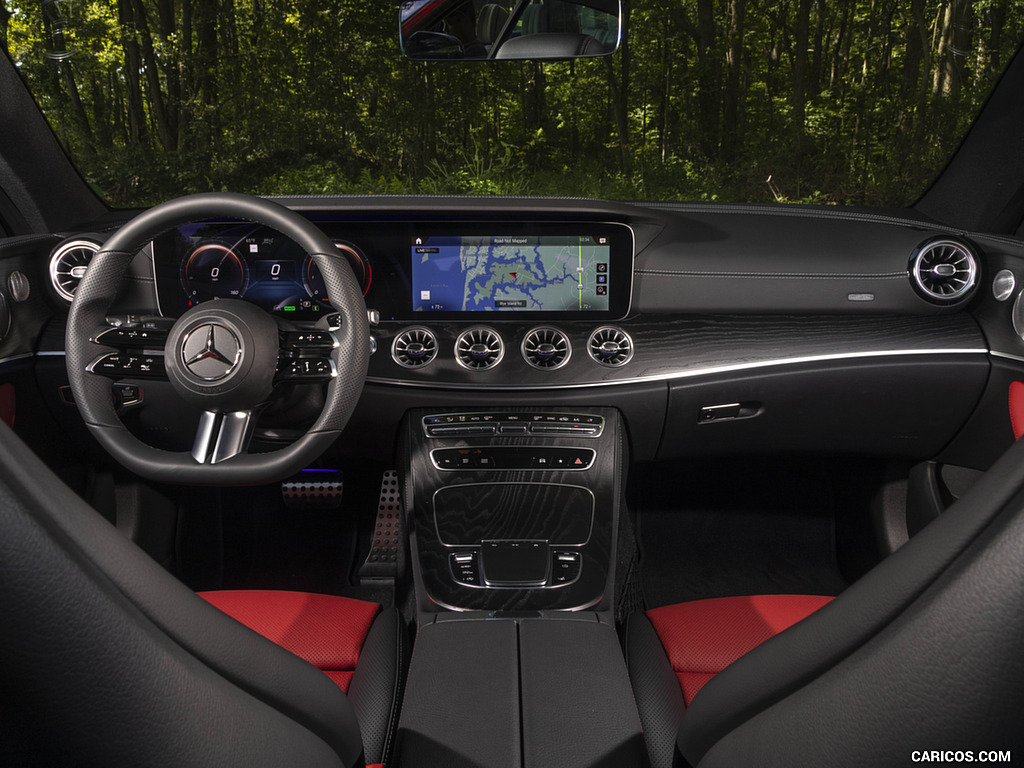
pixel 841 50
pixel 620 93
pixel 137 133
pixel 708 79
pixel 618 104
pixel 171 67
pixel 81 119
pixel 186 74
pixel 997 19
pixel 665 98
pixel 954 40
pixel 732 134
pixel 817 49
pixel 5 17
pixel 168 137
pixel 800 59
pixel 917 41
pixel 206 59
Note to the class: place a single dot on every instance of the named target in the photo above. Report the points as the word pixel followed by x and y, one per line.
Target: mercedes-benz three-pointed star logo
pixel 211 351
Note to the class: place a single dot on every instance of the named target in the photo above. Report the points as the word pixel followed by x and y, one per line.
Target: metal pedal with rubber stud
pixel 387 550
pixel 314 489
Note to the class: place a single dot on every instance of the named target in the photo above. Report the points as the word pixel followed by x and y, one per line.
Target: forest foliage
pixel 833 101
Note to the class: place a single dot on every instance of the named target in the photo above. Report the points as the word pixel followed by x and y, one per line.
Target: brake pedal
pixel 314 489
pixel 387 550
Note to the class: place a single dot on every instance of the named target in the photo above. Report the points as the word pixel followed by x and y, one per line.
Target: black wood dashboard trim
pixel 682 347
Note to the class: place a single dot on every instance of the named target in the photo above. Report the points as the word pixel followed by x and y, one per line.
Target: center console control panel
pixel 512 424
pixel 532 458
pixel 513 508
pixel 562 567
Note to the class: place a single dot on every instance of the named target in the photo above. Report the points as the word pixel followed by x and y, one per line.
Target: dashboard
pixel 714 330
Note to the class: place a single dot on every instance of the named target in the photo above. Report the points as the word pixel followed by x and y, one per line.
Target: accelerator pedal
pixel 387 550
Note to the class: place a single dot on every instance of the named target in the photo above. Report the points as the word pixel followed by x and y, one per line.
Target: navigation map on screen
pixel 510 273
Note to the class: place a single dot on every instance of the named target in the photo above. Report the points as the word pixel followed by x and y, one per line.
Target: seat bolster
pixel 703 637
pixel 947 671
pixel 782 665
pixel 659 698
pixel 376 687
pixel 326 630
pixel 41 514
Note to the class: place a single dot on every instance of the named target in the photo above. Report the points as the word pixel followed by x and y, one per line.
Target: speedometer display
pixel 213 271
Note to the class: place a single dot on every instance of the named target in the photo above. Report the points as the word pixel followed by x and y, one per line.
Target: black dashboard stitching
pixel 766 210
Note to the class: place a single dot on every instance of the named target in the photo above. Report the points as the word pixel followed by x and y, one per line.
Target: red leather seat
pixel 338 636
pixel 673 651
pixel 703 637
pixel 325 630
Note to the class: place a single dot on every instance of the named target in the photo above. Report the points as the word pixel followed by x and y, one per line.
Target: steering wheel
pixel 222 356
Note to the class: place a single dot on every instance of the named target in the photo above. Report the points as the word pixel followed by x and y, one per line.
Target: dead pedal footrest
pixel 387 547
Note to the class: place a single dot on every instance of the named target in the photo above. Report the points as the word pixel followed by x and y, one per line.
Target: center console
pixel 515 515
pixel 513 509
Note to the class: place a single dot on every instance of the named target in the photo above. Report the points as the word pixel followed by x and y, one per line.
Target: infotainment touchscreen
pixel 512 273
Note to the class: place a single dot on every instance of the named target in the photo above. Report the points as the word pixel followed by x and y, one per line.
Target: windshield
pixel 856 103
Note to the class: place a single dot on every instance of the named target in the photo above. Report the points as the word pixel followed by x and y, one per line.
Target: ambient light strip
pixel 690 373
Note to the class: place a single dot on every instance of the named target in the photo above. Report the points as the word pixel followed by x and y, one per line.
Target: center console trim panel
pixel 583 581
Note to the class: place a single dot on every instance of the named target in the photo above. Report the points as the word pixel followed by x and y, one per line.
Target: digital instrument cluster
pixel 231 260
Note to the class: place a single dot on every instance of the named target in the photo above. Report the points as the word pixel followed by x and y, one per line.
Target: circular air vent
pixel 479 348
pixel 944 271
pixel 610 346
pixel 546 348
pixel 414 347
pixel 68 264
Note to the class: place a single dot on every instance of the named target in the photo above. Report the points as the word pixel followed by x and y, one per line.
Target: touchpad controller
pixel 518 563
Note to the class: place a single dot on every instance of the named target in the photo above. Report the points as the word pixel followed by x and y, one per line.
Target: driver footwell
pixel 253 538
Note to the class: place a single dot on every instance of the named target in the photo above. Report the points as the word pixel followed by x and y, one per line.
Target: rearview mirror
pixel 461 30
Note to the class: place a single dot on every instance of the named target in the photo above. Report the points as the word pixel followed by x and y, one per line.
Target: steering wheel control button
pixel 132 337
pixel 211 351
pixel 306 369
pixel 122 365
pixel 305 356
pixel 126 395
pixel 309 341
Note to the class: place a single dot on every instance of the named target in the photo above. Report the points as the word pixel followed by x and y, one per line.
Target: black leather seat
pixel 109 660
pixel 922 653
